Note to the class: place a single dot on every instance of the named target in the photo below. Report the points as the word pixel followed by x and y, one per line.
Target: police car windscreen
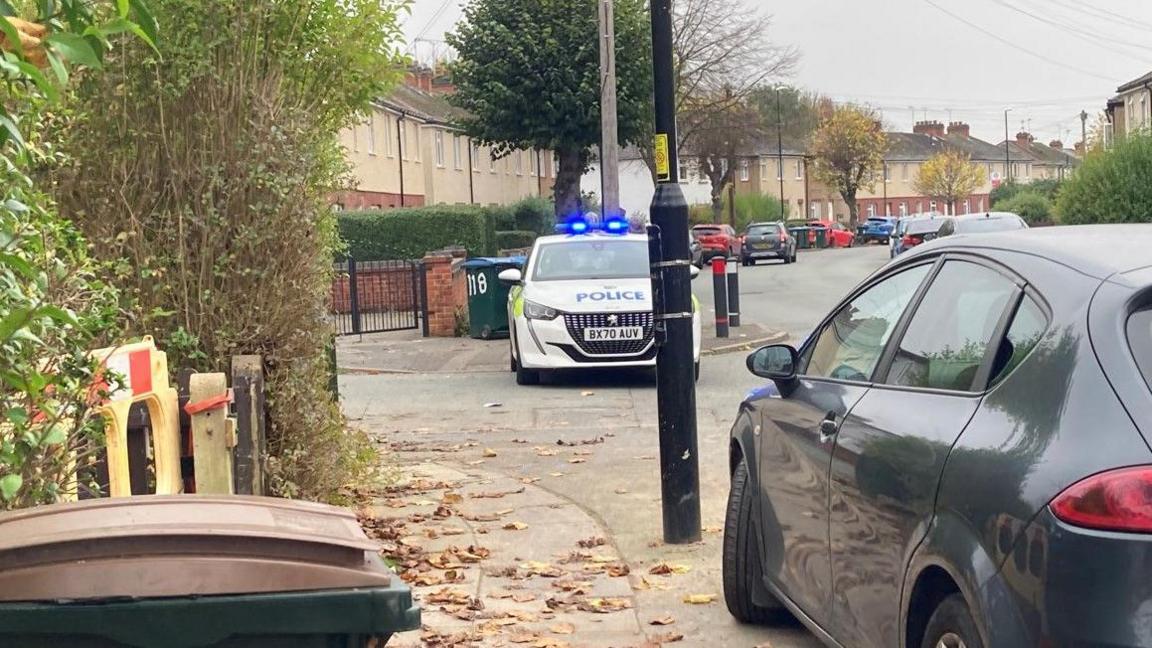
pixel 592 259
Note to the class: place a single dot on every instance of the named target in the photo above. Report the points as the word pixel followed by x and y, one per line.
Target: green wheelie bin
pixel 488 297
pixel 801 236
pixel 821 237
pixel 195 571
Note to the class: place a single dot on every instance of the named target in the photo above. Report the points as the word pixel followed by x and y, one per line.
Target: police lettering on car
pixel 583 300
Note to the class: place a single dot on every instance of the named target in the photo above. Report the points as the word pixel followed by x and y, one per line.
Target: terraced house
pixel 408 153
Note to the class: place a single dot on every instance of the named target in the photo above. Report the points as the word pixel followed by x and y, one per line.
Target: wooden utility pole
pixel 609 155
pixel 1084 132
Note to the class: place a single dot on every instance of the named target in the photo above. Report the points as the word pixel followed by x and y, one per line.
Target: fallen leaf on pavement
pixel 713 529
pixel 556 474
pixel 573 586
pixel 489 452
pixel 503 512
pixel 521 441
pixel 452 498
pixel 667 569
pixel 699 599
pixel 500 595
pixel 621 491
pixel 535 568
pixel 546 452
pixel 583 453
pixel 523 638
pixel 577 460
pixel 617 570
pixel 529 480
pixel 497 494
pixel 601 558
pixel 670 637
pixel 515 526
pixel 587 393
pixel 523 597
pixel 487 517
pixel 475 463
pixel 604 605
pixel 589 543
pixel 522 615
pixel 562 628
pixel 667 619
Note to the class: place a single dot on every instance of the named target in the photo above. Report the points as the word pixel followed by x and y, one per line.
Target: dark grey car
pixel 767 241
pixel 959 455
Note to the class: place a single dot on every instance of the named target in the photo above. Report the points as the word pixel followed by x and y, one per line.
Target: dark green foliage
pixel 533 214
pixel 515 240
pixel 1032 206
pixel 409 233
pixel 1048 188
pixel 754 208
pixel 528 74
pixel 1111 186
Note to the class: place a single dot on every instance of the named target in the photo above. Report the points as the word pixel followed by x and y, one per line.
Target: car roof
pixel 597 236
pixel 1097 250
pixel 765 224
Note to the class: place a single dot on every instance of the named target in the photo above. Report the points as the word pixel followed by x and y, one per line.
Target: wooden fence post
pixel 211 444
pixel 248 386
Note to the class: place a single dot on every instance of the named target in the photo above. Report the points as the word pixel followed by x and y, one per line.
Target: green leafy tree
pixel 204 170
pixel 1110 186
pixel 848 150
pixel 529 77
pixel 53 306
pixel 798 111
pixel 1032 206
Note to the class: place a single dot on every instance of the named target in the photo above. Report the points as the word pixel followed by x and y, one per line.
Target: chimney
pixel 1024 138
pixel 419 78
pixel 959 128
pixel 1056 144
pixel 933 128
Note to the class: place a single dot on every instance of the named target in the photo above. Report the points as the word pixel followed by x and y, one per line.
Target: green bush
pixel 1048 188
pixel 1111 186
pixel 503 218
pixel 410 233
pixel 1029 205
pixel 533 214
pixel 754 208
pixel 515 239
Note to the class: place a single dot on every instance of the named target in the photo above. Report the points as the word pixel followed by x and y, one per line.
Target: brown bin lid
pixel 182 545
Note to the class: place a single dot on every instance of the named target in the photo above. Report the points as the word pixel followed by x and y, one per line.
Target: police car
pixel 584 300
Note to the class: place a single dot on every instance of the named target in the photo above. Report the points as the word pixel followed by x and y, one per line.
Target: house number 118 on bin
pixel 477 284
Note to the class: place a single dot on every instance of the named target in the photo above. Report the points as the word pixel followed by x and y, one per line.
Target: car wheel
pixel 952 626
pixel 742 571
pixel 527 376
pixel 512 366
pixel 794 257
pixel 696 371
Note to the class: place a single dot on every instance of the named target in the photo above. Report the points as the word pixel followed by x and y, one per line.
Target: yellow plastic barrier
pixel 138 373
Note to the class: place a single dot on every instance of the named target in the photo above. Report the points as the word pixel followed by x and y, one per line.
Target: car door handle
pixel 828 429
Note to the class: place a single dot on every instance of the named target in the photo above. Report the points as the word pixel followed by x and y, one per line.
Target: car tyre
pixel 795 258
pixel 527 376
pixel 696 371
pixel 741 567
pixel 952 626
pixel 512 365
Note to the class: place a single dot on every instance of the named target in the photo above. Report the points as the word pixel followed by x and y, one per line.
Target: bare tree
pixel 721 55
pixel 721 145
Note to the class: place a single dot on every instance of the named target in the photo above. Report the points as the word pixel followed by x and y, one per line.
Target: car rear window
pixel 923 227
pixel 980 225
pixel 878 221
pixel 764 230
pixel 706 231
pixel 1140 339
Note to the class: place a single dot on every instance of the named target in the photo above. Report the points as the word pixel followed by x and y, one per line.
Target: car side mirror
pixel 693 271
pixel 778 362
pixel 511 276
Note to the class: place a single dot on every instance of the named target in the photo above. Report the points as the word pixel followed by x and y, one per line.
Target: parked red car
pixel 717 240
pixel 838 235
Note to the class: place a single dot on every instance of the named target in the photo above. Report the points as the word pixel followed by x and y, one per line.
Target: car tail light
pixel 911 241
pixel 1118 500
pixel 783 237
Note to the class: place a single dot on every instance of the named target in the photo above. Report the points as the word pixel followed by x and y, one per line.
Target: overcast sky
pixel 961 59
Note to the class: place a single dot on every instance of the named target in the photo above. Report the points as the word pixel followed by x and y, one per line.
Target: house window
pixel 1027 171
pixel 903 209
pixel 799 169
pixel 744 170
pixel 555 164
pixel 967 207
pixel 355 139
pixel 904 172
pixel 389 145
pixel 457 153
pixel 779 169
pixel 475 151
pixel 535 162
pixel 372 133
pixel 519 162
pixel 438 140
pixel 920 207
pixel 981 205
pixel 491 162
pixel 763 170
pixel 932 205
pixel 887 174
pixel 403 139
pixel 815 211
pixel 871 210
pixel 416 153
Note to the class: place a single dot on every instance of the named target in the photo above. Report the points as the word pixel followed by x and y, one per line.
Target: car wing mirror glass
pixel 778 362
pixel 511 276
pixel 693 271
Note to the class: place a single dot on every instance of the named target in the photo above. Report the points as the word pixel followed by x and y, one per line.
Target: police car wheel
pixel 527 376
pixel 696 370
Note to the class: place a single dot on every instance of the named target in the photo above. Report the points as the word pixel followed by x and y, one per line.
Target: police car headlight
pixel 535 311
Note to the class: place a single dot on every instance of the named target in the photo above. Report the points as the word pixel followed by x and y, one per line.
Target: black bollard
pixel 720 288
pixel 733 293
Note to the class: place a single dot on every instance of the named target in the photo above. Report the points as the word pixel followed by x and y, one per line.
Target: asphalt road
pixel 476 408
pixel 794 297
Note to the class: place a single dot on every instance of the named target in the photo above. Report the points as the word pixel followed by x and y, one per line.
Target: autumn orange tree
pixel 848 150
pixel 949 176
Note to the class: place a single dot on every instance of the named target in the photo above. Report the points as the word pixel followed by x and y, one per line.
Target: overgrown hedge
pixel 410 233
pixel 1111 186
pixel 515 239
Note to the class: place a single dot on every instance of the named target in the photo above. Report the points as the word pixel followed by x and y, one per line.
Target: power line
pixel 1109 43
pixel 1014 46
pixel 431 21
pixel 1100 13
